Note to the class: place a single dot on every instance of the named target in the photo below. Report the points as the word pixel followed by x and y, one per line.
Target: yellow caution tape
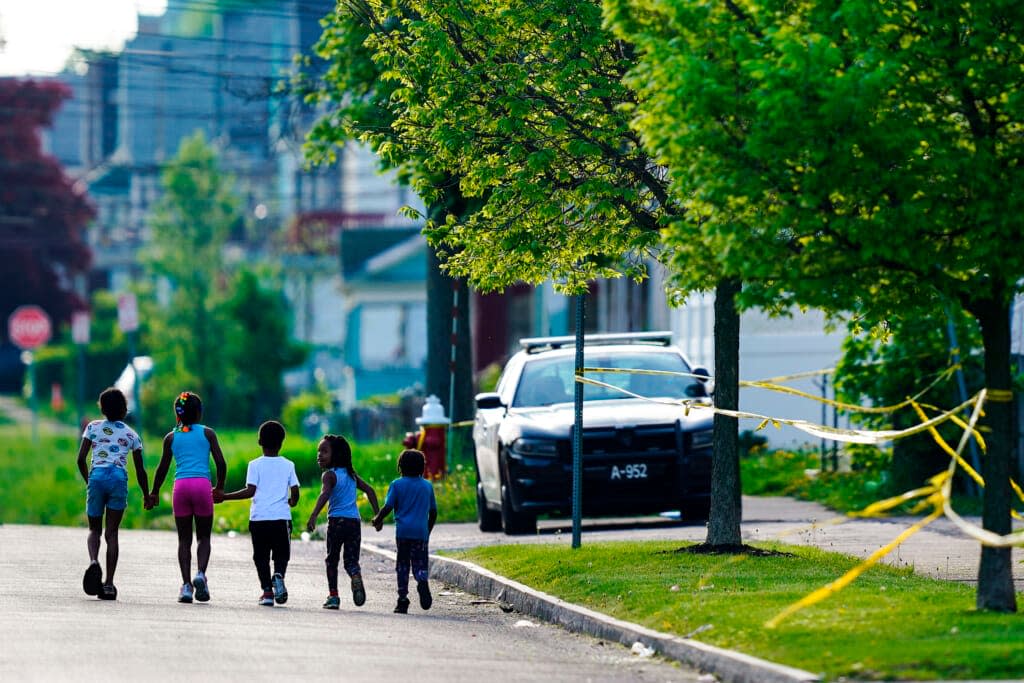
pixel 1000 395
pixel 864 436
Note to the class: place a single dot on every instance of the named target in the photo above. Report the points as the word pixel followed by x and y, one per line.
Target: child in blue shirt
pixel 411 497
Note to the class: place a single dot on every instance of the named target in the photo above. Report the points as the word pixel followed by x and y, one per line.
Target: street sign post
pixel 80 323
pixel 29 327
pixel 128 321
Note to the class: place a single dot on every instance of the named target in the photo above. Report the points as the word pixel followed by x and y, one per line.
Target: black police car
pixel 639 457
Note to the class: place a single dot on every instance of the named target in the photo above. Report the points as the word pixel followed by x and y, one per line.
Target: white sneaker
pixel 267 599
pixel 186 593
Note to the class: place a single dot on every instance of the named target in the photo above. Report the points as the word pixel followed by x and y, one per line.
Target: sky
pixel 37 36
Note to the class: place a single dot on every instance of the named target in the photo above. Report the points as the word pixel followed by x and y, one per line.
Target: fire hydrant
pixel 430 439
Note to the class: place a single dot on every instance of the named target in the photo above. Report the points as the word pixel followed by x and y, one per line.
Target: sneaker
pixel 426 599
pixel 92 582
pixel 358 591
pixel 332 602
pixel 108 592
pixel 403 606
pixel 202 588
pixel 280 592
pixel 186 593
pixel 267 599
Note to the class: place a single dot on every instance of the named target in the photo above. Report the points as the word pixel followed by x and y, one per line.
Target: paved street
pixel 51 630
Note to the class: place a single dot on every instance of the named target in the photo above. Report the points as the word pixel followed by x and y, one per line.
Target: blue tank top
pixel 191 453
pixel 343 497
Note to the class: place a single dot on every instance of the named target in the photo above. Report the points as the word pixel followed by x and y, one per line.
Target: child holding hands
pixel 412 499
pixel 339 485
pixel 110 441
pixel 271 482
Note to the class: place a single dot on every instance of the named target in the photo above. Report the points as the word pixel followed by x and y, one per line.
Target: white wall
pixel 768 348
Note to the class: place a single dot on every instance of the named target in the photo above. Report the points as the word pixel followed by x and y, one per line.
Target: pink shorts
pixel 192 496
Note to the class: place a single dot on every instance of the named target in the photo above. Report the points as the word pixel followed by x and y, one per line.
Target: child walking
pixel 271 483
pixel 339 485
pixel 412 499
pixel 110 441
pixel 191 444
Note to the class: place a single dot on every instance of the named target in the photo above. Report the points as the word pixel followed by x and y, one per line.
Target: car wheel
pixel 695 509
pixel 515 523
pixel 486 519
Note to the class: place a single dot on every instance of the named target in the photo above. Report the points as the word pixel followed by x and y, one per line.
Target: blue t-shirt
pixel 412 498
pixel 343 496
pixel 191 453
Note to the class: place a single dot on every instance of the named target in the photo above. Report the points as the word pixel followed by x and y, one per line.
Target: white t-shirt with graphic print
pixel 111 442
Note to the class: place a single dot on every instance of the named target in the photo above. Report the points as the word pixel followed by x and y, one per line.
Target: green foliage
pixel 223 332
pixel 52 491
pixel 859 157
pixel 489 376
pixel 298 407
pixel 522 106
pixel 885 371
pixel 888 625
pixel 775 473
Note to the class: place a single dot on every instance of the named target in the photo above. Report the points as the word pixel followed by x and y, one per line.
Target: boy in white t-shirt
pixel 271 483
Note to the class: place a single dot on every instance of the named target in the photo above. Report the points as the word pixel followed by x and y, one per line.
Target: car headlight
pixel 702 439
pixel 535 448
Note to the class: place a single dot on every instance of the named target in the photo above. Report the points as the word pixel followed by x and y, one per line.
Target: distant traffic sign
pixel 28 327
pixel 80 327
pixel 127 312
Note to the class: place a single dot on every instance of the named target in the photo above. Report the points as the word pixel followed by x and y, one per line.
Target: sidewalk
pixel 14 410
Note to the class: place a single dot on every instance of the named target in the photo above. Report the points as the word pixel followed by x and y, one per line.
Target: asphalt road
pixel 51 631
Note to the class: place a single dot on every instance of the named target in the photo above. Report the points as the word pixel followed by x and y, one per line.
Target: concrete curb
pixel 726 665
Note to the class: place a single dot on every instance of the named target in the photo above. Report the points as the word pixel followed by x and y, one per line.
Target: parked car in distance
pixel 639 456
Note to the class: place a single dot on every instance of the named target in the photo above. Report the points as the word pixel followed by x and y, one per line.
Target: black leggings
pixel 270 536
pixel 342 533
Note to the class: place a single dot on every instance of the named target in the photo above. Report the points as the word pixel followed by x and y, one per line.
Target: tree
pixel 356 99
pixel 522 104
pixel 879 147
pixel 43 213
pixel 219 331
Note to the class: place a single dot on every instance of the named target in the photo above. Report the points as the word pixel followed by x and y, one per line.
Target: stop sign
pixel 28 327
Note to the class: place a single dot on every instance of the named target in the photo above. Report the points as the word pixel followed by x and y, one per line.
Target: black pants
pixel 414 554
pixel 270 536
pixel 344 534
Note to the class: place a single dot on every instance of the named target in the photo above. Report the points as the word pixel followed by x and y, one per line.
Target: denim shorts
pixel 108 488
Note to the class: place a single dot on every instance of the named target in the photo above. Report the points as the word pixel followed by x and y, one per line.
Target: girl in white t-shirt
pixel 110 440
pixel 271 482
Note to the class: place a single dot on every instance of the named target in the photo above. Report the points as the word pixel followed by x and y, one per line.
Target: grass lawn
pixel 40 483
pixel 889 624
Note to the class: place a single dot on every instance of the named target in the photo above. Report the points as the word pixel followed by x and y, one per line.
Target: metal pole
pixel 577 430
pixel 824 417
pixel 137 380
pixel 81 384
pixel 451 375
pixel 954 350
pixel 32 397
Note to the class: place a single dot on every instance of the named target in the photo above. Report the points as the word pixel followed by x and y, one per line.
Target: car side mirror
pixel 704 377
pixel 488 400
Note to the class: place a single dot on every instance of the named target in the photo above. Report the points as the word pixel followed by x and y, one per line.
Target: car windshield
pixel 547 381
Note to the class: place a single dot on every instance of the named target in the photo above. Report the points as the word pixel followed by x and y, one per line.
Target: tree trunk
pixel 995 573
pixel 726 505
pixel 440 301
